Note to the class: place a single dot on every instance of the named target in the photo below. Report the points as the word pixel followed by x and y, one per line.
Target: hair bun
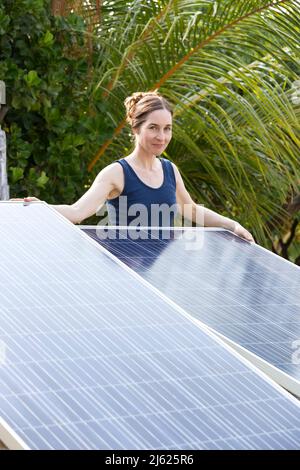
pixel 131 102
pixel 140 104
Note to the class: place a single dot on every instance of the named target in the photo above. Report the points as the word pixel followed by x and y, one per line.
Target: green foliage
pixel 231 70
pixel 52 125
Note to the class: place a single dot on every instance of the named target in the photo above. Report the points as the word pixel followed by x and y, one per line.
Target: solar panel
pixel 92 357
pixel 242 291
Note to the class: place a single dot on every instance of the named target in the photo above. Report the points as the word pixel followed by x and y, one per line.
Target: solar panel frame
pixel 75 432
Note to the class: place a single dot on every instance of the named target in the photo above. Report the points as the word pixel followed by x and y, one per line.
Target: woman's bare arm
pixel 108 180
pixel 203 216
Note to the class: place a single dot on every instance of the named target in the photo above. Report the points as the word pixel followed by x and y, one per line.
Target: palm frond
pixel 229 69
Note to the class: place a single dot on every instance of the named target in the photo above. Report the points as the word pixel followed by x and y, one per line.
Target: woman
pixel 142 189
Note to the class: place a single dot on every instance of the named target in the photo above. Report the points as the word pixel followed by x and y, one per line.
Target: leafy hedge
pixel 53 126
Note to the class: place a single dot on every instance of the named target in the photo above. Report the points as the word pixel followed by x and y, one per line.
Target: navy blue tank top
pixel 142 205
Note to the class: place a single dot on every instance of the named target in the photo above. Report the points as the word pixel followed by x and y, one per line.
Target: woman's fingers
pixel 247 235
pixel 25 199
pixel 242 232
pixel 30 199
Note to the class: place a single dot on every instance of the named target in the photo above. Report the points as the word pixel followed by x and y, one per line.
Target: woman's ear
pixel 135 133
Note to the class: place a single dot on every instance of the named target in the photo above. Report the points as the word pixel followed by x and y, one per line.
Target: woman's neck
pixel 143 160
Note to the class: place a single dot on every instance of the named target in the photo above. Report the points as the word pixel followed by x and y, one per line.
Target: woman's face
pixel 155 133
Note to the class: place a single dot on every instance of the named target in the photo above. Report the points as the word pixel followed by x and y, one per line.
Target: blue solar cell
pixel 88 350
pixel 243 292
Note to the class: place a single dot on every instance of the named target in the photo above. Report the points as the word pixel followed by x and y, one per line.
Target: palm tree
pixel 231 69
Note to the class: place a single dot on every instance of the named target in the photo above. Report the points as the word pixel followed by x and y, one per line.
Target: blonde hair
pixel 140 104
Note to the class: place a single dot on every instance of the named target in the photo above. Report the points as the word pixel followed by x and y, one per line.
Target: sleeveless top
pixel 142 205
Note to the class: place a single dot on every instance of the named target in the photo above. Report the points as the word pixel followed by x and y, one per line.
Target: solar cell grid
pixel 92 357
pixel 242 291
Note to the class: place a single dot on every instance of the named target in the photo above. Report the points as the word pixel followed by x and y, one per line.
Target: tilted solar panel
pixel 242 291
pixel 92 357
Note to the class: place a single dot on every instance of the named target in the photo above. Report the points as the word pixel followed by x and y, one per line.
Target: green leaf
pixel 42 180
pixel 47 40
pixel 4 22
pixel 16 174
pixel 32 78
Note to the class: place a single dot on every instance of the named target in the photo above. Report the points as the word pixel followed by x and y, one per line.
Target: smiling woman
pixel 147 184
pixel 144 189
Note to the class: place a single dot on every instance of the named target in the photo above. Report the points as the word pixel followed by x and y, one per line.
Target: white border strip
pixel 10 438
pixel 280 377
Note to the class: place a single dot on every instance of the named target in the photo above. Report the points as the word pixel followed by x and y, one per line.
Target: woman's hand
pixel 31 199
pixel 25 199
pixel 242 232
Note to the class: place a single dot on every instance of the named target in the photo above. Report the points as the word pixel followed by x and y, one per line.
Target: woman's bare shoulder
pixel 113 175
pixel 112 170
